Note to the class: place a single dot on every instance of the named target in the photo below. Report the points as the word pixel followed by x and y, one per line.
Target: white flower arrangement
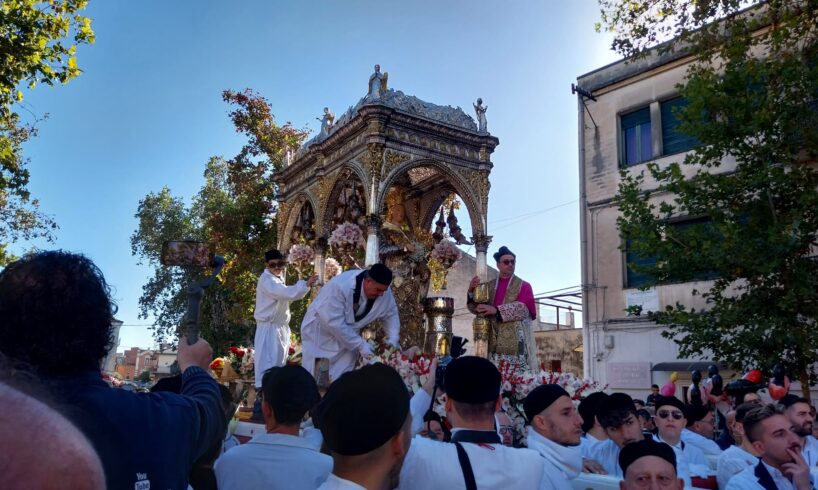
pixel 301 255
pixel 331 268
pixel 347 234
pixel 446 253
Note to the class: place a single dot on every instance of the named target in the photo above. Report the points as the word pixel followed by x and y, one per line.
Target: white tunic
pixel 335 483
pixel 273 461
pixel 733 460
pixel 747 480
pixel 329 329
pixel 690 461
pixel 272 316
pixel 606 453
pixel 705 445
pixel 561 463
pixel 432 465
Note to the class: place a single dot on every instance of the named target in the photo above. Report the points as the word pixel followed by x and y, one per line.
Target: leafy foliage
pixel 235 211
pixel 38 42
pixel 752 106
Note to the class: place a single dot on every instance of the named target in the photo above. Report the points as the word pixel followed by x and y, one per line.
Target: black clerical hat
pixel 503 251
pixel 472 379
pixel 541 398
pixel 363 409
pixel 671 401
pixel 290 391
pixel 587 408
pixel 272 254
pixel 380 274
pixel 645 447
pixel 694 413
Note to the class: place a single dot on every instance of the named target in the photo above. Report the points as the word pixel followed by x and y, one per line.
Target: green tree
pixel 144 377
pixel 752 99
pixel 234 210
pixel 38 42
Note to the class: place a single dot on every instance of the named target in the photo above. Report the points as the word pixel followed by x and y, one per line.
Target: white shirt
pixel 705 445
pixel 586 442
pixel 335 483
pixel 272 461
pixel 606 453
pixel 273 298
pixel 733 460
pixel 810 454
pixel 690 461
pixel 432 465
pixel 747 480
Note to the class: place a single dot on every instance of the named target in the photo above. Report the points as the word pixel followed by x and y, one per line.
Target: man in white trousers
pixel 272 315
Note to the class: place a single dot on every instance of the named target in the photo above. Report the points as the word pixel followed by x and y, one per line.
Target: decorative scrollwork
pixel 373 161
pixel 393 159
pixel 478 181
pixel 282 214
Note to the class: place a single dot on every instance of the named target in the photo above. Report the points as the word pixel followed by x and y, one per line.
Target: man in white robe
pixel 797 409
pixel 701 425
pixel 617 414
pixel 366 424
pixel 555 433
pixel 740 456
pixel 472 386
pixel 272 315
pixel 781 466
pixel 670 420
pixel 331 328
pixel 278 458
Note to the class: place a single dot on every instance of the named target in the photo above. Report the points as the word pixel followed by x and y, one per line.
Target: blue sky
pixel 147 111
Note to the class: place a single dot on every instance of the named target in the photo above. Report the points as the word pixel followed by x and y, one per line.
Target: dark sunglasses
pixel 275 265
pixel 663 414
pixel 509 262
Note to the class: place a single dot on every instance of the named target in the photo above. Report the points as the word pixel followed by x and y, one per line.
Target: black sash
pixel 477 436
pixel 356 298
pixel 764 477
pixel 465 465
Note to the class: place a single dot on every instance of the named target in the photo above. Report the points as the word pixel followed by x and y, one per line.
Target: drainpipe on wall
pixel 583 234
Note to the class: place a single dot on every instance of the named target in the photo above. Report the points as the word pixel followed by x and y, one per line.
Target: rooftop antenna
pixel 584 95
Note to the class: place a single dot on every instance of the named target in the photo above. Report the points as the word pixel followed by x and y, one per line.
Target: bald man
pixel 41 449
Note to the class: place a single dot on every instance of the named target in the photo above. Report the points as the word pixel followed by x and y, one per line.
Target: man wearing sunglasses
pixel 511 309
pixel 670 421
pixel 272 315
pixel 701 425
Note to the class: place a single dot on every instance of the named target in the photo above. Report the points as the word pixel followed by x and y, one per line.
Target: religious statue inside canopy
pixel 406 252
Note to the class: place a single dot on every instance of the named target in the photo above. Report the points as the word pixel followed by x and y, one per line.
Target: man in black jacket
pixel 57 311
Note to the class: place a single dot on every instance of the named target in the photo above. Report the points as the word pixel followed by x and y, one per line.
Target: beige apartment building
pixel 630 123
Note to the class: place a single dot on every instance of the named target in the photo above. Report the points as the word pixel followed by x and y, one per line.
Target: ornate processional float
pixel 374 186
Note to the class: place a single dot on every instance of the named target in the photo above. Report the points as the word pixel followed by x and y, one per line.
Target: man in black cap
pixel 272 315
pixel 649 465
pixel 278 458
pixel 617 415
pixel 366 424
pixel 555 432
pixel 477 457
pixel 511 308
pixel 671 418
pixel 346 304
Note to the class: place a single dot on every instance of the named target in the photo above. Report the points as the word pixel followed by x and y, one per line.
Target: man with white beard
pixel 555 433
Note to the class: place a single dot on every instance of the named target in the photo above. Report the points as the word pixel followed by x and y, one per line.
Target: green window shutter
pixel 637 279
pixel 636 137
pixel 673 140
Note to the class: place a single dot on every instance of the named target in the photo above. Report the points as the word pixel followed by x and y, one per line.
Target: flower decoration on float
pixel 301 257
pixel 331 268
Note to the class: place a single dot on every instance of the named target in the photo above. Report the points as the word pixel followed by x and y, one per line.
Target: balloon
pixel 754 376
pixel 780 384
pixel 694 392
pixel 669 388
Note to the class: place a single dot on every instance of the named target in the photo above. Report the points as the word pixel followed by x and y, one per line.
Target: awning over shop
pixel 687 366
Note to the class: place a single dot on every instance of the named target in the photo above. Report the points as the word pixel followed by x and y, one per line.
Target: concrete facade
pixel 621 350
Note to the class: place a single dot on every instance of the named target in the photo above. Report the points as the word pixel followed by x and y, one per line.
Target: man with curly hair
pixel 57 311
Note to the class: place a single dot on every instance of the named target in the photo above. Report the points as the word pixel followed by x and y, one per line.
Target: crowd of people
pixel 363 430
